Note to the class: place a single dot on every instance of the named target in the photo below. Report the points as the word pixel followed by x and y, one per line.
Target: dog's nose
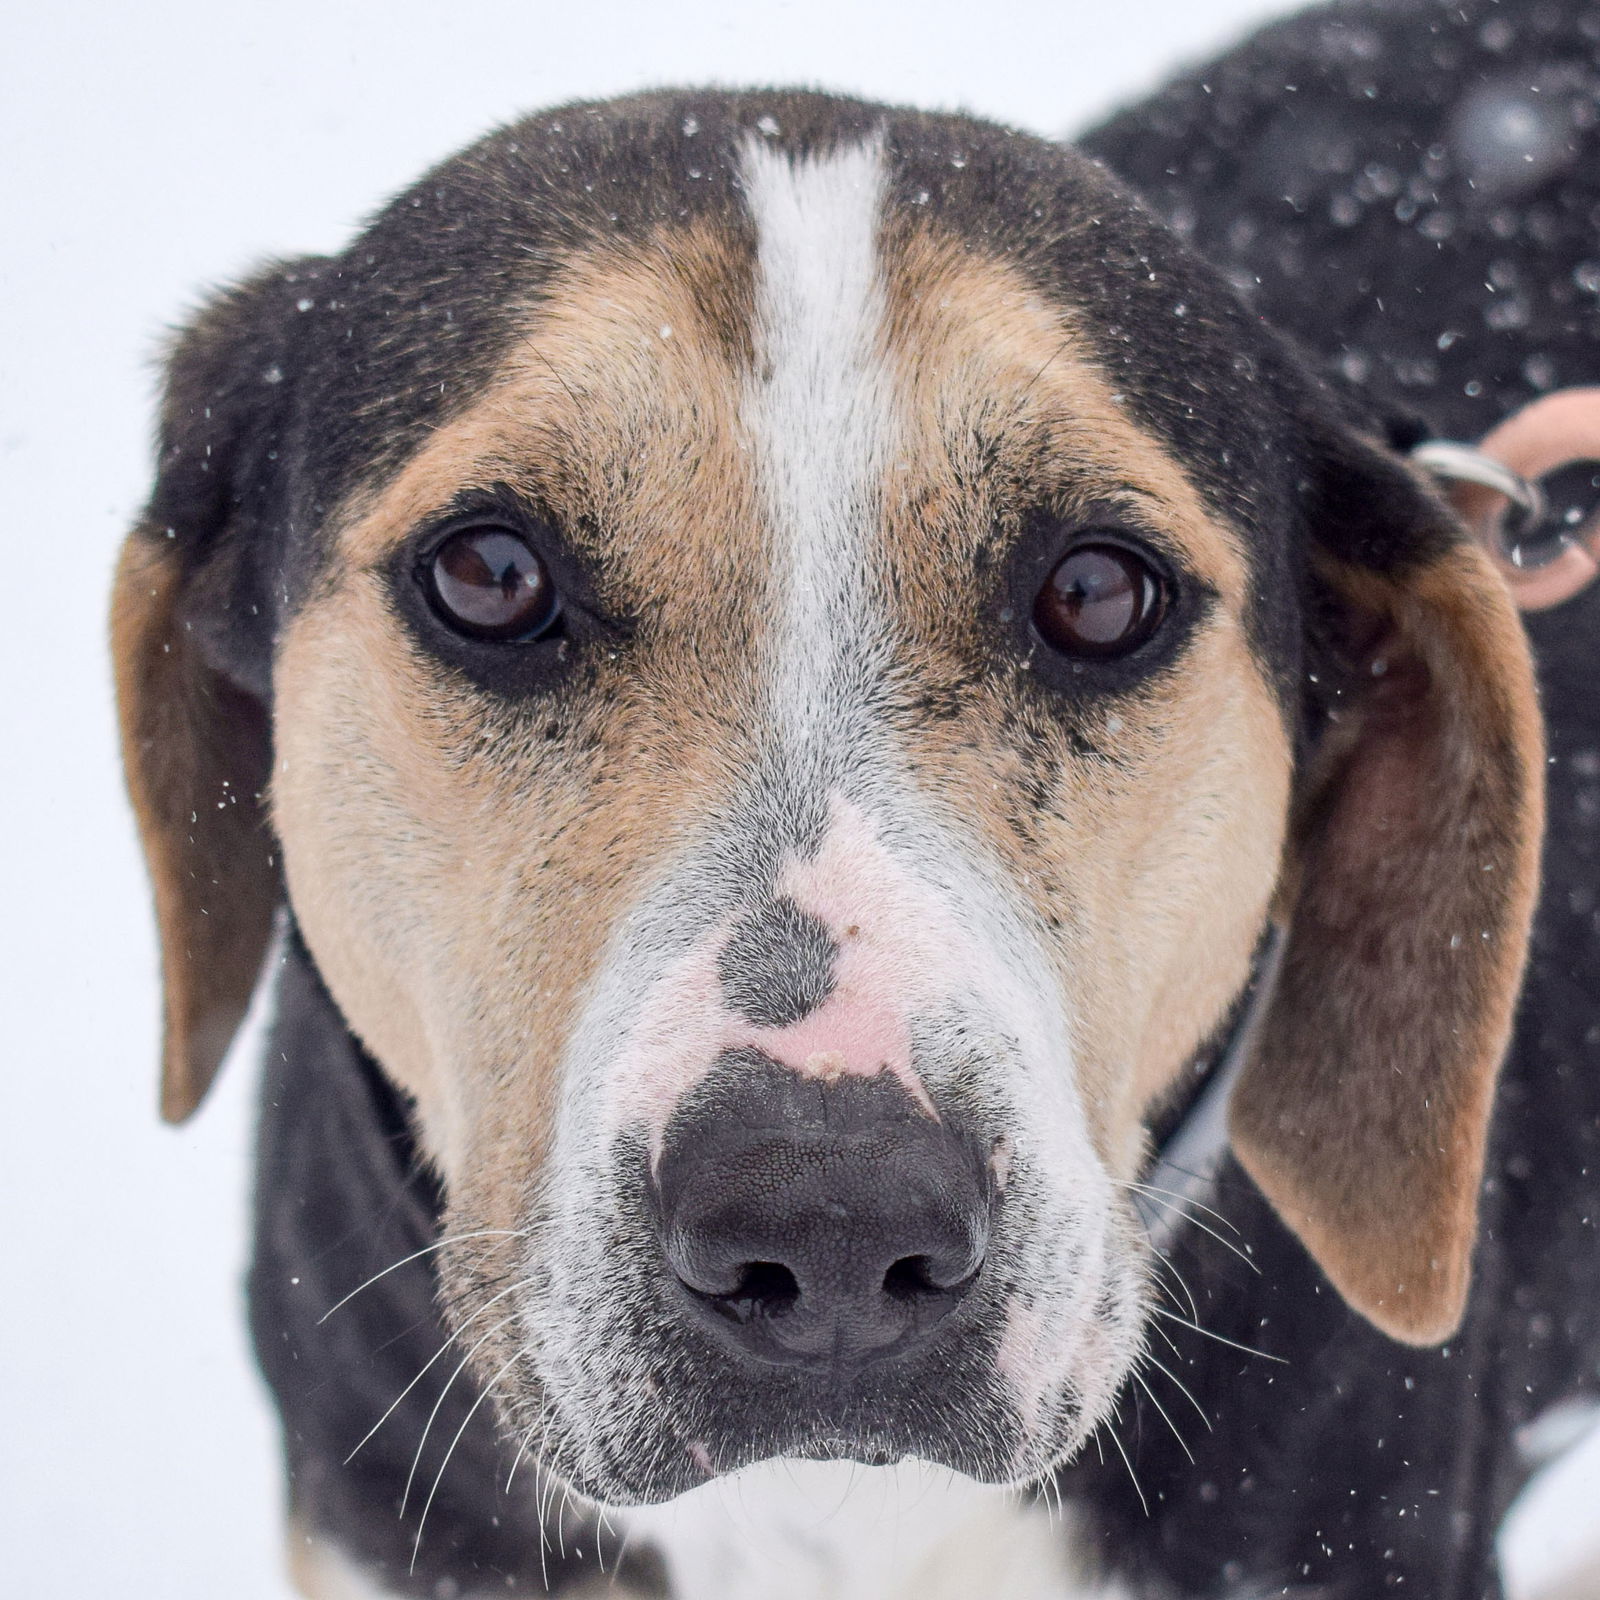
pixel 819 1225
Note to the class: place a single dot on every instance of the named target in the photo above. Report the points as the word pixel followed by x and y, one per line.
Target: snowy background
pixel 147 150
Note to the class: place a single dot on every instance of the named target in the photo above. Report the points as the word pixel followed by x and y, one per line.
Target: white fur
pixel 808 1530
pixel 820 411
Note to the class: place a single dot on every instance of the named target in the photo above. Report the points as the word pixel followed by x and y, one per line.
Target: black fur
pixel 778 965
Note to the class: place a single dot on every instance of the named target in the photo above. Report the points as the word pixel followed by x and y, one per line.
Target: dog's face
pixel 802 643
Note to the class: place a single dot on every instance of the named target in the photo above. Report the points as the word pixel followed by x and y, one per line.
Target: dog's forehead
pixel 630 234
pixel 677 406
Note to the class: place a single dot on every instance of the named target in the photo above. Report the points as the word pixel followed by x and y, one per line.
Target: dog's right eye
pixel 488 583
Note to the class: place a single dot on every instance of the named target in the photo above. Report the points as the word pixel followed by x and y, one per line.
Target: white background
pixel 149 148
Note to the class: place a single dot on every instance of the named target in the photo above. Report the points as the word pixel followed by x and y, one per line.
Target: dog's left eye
pixel 1100 600
pixel 489 583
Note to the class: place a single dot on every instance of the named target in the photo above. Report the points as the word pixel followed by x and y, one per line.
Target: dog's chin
pixel 653 1460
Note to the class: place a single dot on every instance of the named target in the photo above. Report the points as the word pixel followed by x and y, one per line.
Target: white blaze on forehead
pixel 819 409
pixel 939 977
pixel 928 940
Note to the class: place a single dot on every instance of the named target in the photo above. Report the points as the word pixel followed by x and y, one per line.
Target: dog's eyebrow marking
pixel 819 412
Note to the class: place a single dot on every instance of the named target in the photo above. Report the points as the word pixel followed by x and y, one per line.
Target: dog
pixel 796 677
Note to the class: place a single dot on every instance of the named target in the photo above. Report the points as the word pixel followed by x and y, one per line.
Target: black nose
pixel 819 1225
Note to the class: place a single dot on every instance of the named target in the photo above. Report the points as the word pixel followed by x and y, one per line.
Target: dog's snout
pixel 823 1225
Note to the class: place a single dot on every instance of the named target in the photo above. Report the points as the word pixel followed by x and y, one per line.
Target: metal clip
pixel 1494 485
pixel 1453 462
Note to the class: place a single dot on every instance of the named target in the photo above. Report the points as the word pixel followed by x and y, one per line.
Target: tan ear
pixel 195 750
pixel 1364 1115
pixel 192 623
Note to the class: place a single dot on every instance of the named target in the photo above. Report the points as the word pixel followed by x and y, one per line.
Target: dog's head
pixel 791 651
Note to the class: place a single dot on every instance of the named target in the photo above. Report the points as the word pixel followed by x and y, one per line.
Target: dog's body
pixel 798 403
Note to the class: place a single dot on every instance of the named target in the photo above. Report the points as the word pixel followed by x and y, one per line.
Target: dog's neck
pixel 793 1530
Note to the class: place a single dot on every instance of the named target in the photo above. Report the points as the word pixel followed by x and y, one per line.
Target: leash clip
pixel 1454 462
pixel 1495 486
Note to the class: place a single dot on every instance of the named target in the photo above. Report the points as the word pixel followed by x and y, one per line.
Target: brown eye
pixel 488 583
pixel 1100 600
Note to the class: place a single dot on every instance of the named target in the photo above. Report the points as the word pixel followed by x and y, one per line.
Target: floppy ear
pixel 1409 895
pixel 191 644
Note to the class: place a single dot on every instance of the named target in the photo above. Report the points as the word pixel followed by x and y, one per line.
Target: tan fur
pixel 321 1571
pixel 1365 1117
pixel 1158 863
pixel 194 754
pixel 460 958
pixel 458 864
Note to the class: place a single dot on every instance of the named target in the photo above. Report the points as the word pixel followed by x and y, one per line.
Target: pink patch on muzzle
pixel 902 952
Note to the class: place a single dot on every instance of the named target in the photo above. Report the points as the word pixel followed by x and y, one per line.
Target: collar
pixel 1189 1158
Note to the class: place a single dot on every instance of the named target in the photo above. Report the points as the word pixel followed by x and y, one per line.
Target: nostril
pixel 909 1277
pixel 914 1277
pixel 764 1289
pixel 824 1226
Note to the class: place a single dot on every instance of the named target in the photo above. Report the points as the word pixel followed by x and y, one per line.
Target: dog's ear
pixel 191 643
pixel 1409 893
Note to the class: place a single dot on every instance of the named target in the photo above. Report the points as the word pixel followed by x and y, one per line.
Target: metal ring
pixel 1464 463
pixel 1454 462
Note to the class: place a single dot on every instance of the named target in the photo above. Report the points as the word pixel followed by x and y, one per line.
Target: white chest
pixel 835 1531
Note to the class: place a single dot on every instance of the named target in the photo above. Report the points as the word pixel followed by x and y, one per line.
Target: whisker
pixel 1227 1244
pixel 1231 1344
pixel 416 1255
pixel 561 1521
pixel 461 1366
pixel 1172 1344
pixel 540 1425
pixel 1155 1191
pixel 538 1500
pixel 1133 1476
pixel 438 1477
pixel 1043 1497
pixel 522 1450
pixel 602 1527
pixel 1044 369
pixel 621 1555
pixel 1170 1266
pixel 1151 1395
pixel 553 373
pixel 1182 1387
pixel 546 1499
pixel 544 1546
pixel 404 1333
pixel 428 1366
pixel 1054 1513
